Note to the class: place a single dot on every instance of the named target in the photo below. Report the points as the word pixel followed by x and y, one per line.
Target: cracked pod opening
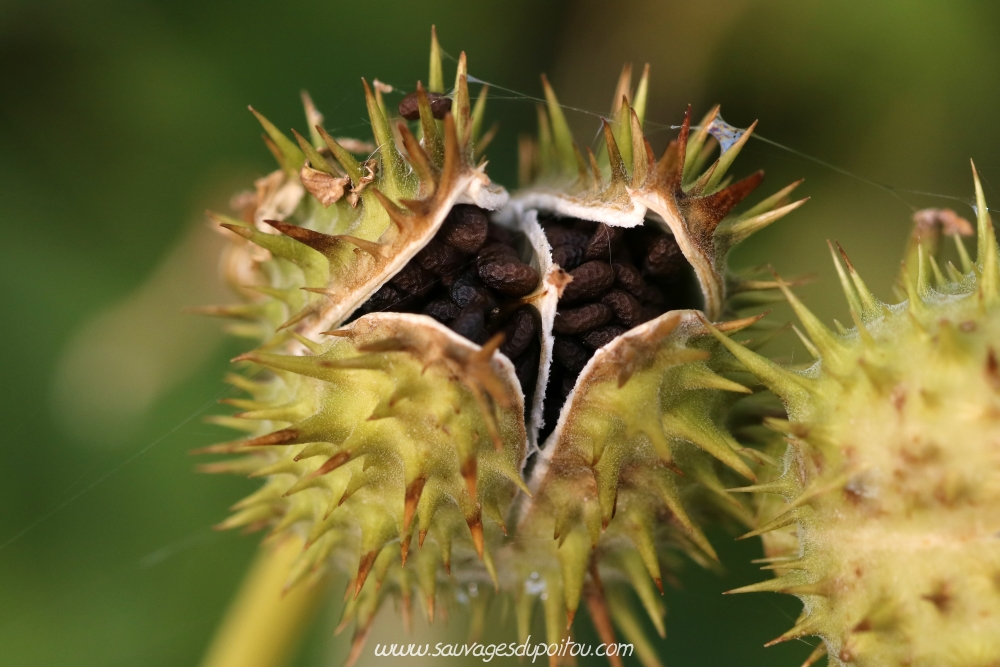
pixel 640 237
pixel 385 410
pixel 621 277
pixel 637 451
pixel 478 278
pixel 380 411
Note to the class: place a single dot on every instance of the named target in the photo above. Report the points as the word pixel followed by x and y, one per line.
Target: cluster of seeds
pixel 621 278
pixel 471 277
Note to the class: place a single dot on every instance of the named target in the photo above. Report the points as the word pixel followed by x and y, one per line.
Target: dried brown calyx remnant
pixel 944 219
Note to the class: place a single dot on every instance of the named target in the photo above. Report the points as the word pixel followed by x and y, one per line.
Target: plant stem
pixel 263 626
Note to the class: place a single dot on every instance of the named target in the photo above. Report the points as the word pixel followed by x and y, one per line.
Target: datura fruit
pixel 464 397
pixel 527 401
pixel 890 531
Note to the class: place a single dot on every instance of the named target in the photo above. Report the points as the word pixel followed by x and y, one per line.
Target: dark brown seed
pixel 664 257
pixel 585 226
pixel 496 251
pixel 465 228
pixel 559 236
pixel 440 259
pixel 500 267
pixel 626 307
pixel 385 298
pixel 570 354
pixel 466 291
pixel 567 256
pixel 629 277
pixel 470 324
pixel 413 279
pixel 601 336
pixel 567 385
pixel 584 318
pixel 599 246
pixel 590 281
pixel 509 277
pixel 442 310
pixel 519 332
pixel 410 110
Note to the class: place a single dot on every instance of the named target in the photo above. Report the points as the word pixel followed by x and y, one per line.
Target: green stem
pixel 263 626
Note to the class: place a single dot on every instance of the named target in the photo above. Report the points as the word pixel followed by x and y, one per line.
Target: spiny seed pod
pixel 890 531
pixel 625 186
pixel 416 420
pixel 386 406
pixel 637 449
pixel 612 493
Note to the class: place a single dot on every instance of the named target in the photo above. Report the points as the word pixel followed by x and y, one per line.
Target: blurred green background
pixel 120 122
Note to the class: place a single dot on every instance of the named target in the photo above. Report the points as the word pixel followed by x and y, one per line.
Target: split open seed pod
pixel 419 336
pixel 637 447
pixel 399 331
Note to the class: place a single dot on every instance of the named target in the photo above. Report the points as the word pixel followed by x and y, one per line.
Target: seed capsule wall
pixel 890 531
pixel 463 400
pixel 380 419
pixel 637 451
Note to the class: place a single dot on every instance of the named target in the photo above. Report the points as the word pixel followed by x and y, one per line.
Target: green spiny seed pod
pixel 376 420
pixel 891 477
pixel 637 448
pixel 611 493
pixel 626 187
pixel 416 419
